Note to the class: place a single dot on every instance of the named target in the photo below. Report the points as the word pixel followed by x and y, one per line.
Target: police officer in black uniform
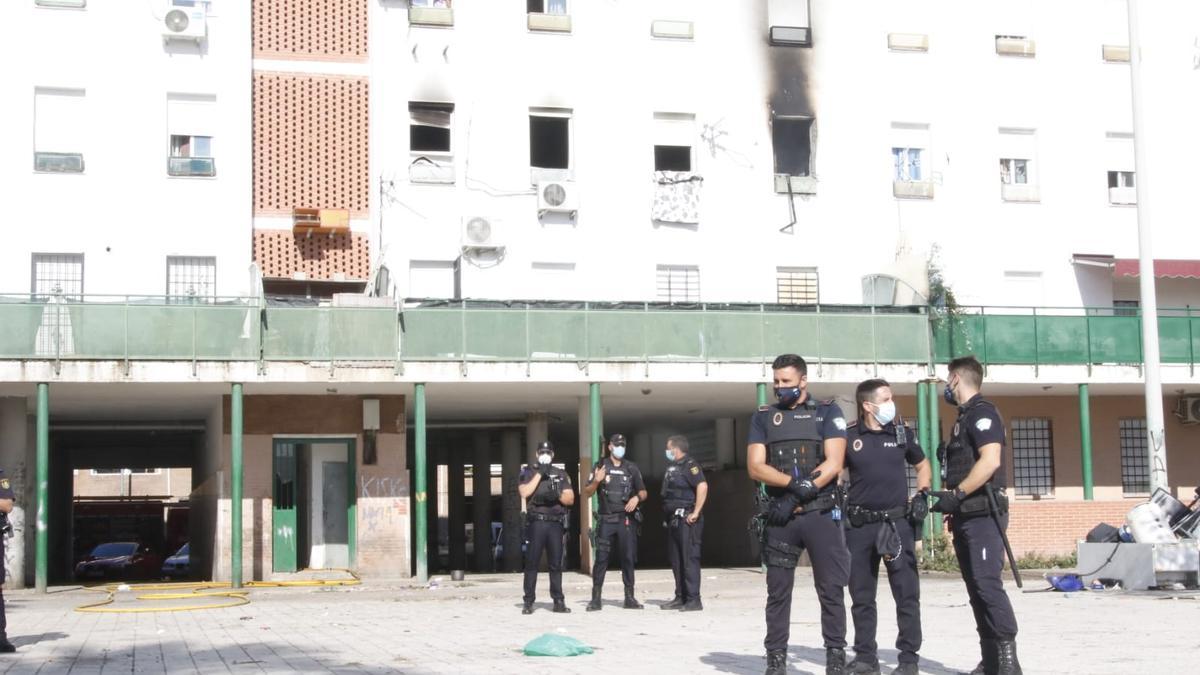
pixel 973 471
pixel 883 524
pixel 6 507
pixel 621 492
pixel 548 491
pixel 797 448
pixel 684 491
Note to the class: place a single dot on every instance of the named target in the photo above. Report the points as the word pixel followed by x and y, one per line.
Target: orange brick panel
pixel 325 30
pixel 280 254
pixel 310 143
pixel 1053 527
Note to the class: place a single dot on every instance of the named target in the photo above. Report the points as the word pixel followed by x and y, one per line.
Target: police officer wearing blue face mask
pixel 884 524
pixel 622 490
pixel 684 491
pixel 797 448
pixel 548 492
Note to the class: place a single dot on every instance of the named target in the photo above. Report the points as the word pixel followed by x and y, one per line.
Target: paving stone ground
pixel 476 627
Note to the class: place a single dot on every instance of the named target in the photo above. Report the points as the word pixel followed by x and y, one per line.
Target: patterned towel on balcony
pixel 676 197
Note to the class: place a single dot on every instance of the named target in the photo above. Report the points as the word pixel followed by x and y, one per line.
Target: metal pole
pixel 1085 440
pixel 1157 440
pixel 419 491
pixel 43 482
pixel 235 493
pixel 935 437
pixel 762 394
pixel 923 436
pixel 597 432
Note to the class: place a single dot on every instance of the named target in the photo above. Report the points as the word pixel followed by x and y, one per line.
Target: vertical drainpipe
pixel 43 481
pixel 1085 439
pixel 419 478
pixel 235 493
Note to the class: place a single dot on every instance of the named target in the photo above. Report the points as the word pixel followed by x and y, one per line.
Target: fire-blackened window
pixel 672 158
pixel 429 126
pixel 791 137
pixel 549 141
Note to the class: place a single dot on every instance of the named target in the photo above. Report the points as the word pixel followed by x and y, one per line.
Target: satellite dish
pixel 177 20
pixel 554 194
pixel 479 230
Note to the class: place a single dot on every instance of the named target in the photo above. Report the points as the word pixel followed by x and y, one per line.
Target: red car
pixel 119 560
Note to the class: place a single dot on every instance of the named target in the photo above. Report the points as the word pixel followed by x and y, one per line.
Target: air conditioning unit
pixel 557 197
pixel 1188 409
pixel 58 162
pixel 480 233
pixel 185 21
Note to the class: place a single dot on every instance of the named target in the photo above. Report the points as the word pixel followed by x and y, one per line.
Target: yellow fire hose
pixel 196 590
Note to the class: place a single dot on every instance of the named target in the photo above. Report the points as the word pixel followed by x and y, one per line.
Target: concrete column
pixel 585 468
pixel 537 429
pixel 14 442
pixel 510 451
pixel 639 450
pixel 726 449
pixel 457 502
pixel 481 500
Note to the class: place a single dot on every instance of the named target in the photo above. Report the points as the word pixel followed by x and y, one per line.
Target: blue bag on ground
pixel 550 644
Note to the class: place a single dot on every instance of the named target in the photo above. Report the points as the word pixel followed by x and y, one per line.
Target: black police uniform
pixel 683 540
pixel 5 493
pixel 977 542
pixel 877 500
pixel 546 519
pixel 795 446
pixel 620 484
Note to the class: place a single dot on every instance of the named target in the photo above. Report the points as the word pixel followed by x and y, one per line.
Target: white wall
pixel 615 77
pixel 124 213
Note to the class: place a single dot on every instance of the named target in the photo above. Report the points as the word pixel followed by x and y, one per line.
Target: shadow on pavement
pixel 725 662
pixel 27 640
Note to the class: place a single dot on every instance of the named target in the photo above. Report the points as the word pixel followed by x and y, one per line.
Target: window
pixel 550 140
pixel 1033 457
pixel 429 127
pixel 58 130
pixel 433 279
pixel 679 283
pixel 788 21
pixel 1014 171
pixel 1135 456
pixel 118 472
pixel 546 6
pixel 1125 307
pixel 796 285
pixel 191 277
pixel 441 4
pixel 61 3
pixel 791 139
pixel 57 274
pixel 674 135
pixel 906 164
pixel 190 130
pixel 1120 179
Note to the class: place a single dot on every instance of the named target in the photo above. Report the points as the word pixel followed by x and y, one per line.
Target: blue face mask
pixel 618 451
pixel 787 395
pixel 948 394
pixel 670 455
pixel 885 412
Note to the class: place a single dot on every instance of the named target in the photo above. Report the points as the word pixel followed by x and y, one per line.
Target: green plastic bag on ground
pixel 550 644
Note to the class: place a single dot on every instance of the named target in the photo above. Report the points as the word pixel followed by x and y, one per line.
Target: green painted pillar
pixel 235 492
pixel 597 431
pixel 935 436
pixel 1085 440
pixel 420 489
pixel 41 556
pixel 762 393
pixel 923 427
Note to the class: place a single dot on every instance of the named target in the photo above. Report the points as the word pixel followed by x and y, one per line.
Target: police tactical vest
pixel 617 487
pixel 676 492
pixel 959 456
pixel 794 442
pixel 548 490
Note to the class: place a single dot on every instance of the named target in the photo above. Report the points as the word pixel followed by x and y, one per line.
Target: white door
pixel 329 516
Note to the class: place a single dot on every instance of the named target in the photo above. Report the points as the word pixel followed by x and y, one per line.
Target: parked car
pixel 119 560
pixel 178 565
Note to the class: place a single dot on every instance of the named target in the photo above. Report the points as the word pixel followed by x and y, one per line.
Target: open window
pixel 1018 168
pixel 792 142
pixel 549 15
pixel 430 13
pixel 1120 164
pixel 58 130
pixel 911 175
pixel 677 185
pixel 550 144
pixel 190 126
pixel 430 142
pixel 674 142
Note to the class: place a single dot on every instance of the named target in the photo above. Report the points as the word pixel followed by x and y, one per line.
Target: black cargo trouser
pixel 826 544
pixel 544 535
pixel 864 582
pixel 980 552
pixel 621 533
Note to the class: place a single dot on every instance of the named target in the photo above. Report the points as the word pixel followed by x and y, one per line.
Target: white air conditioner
pixel 1188 410
pixel 557 197
pixel 185 22
pixel 480 233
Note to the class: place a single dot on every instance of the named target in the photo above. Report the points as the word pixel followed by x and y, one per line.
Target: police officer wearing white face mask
pixel 884 524
pixel 548 491
pixel 622 490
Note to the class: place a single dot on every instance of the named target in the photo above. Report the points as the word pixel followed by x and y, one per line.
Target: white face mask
pixel 618 451
pixel 544 458
pixel 670 455
pixel 886 412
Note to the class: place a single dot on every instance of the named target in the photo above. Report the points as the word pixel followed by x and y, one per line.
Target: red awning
pixel 1163 269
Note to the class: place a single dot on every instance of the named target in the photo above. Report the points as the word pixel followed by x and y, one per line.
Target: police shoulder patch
pixel 840 423
pixel 4 483
pixel 984 423
pixel 695 470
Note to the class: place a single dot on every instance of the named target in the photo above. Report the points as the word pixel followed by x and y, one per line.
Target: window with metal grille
pixel 1125 307
pixel 1033 456
pixel 1135 460
pixel 679 283
pixel 191 277
pixel 796 285
pixel 57 274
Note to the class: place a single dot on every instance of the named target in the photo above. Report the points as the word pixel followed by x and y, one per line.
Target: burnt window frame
pixel 776 118
pixel 416 107
pixel 567 116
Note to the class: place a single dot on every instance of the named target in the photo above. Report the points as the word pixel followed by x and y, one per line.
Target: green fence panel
pixel 162 331
pixel 675 336
pixel 227 333
pixel 902 338
pixel 1174 340
pixel 324 333
pixel 431 334
pixel 20 324
pixel 1062 339
pixel 363 333
pixel 496 335
pixel 618 335
pixel 96 332
pixel 557 335
pixel 297 334
pixel 1115 339
pixel 959 335
pixel 734 336
pixel 1010 339
pixel 846 337
pixel 792 334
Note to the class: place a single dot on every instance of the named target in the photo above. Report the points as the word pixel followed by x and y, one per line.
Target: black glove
pixel 918 506
pixel 544 471
pixel 781 510
pixel 804 489
pixel 949 502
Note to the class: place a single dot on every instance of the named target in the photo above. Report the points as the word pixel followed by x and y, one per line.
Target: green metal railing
pixel 1063 336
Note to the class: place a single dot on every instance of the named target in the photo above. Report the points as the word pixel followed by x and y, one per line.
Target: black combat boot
pixel 987 663
pixel 776 662
pixel 594 605
pixel 863 666
pixel 835 661
pixel 1006 658
pixel 674 604
pixel 6 647
pixel 908 668
pixel 630 601
pixel 527 608
pixel 560 607
pixel 693 605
